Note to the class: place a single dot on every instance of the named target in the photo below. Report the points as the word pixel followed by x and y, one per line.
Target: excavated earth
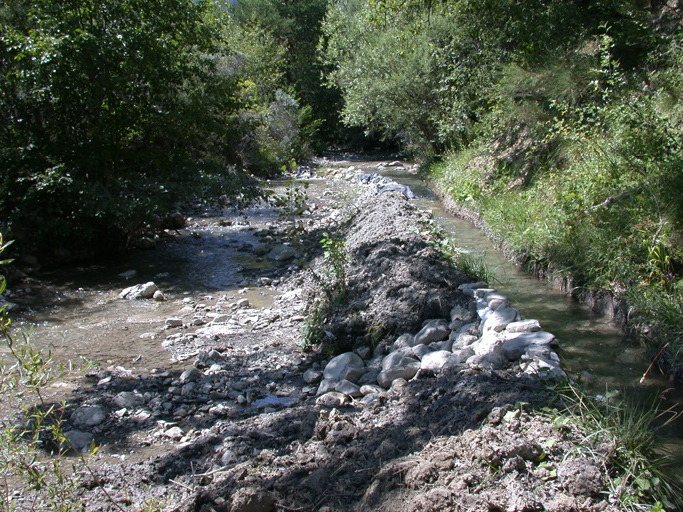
pixel 234 427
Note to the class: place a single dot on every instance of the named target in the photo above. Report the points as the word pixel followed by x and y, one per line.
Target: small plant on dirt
pixel 334 281
pixel 313 332
pixel 645 466
pixel 294 201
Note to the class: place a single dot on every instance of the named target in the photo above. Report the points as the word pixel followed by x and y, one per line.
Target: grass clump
pixel 642 474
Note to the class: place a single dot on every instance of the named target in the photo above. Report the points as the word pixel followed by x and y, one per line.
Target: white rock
pixel 514 348
pixel 174 322
pixel 524 326
pixel 500 318
pixel 139 291
pixel 491 341
pixel 435 361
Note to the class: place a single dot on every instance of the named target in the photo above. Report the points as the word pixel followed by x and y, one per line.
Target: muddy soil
pixel 228 422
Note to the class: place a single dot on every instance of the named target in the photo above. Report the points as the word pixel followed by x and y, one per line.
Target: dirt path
pixel 235 424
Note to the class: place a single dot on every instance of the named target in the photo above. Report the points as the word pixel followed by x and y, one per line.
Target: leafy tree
pixel 105 105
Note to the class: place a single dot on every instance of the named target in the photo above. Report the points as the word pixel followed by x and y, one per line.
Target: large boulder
pixel 500 318
pixel 514 348
pixel 347 366
pixel 401 364
pixel 282 253
pixel 434 330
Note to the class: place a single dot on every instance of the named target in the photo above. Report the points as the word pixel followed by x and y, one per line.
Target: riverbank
pixel 632 310
pixel 238 421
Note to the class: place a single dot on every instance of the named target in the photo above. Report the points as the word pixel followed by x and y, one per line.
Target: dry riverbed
pixel 232 418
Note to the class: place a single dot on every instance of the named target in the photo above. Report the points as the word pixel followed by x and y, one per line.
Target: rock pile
pixel 488 335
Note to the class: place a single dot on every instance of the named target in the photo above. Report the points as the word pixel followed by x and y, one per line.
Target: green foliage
pixel 646 467
pixel 294 200
pixel 111 112
pixel 334 279
pixel 313 332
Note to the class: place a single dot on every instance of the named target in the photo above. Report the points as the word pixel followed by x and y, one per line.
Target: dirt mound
pixel 396 279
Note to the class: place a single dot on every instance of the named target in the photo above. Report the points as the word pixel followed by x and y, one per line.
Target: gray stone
pixel 326 385
pixel 407 372
pixel 189 375
pixel 399 358
pixel 282 253
pixel 220 319
pixel 461 313
pixel 403 341
pixel 252 500
pixel 371 388
pixel 128 274
pixel 524 326
pixel 369 377
pixel 435 361
pixel 312 376
pixel 421 350
pixel 159 296
pixel 262 249
pixel 333 399
pixel 490 361
pixel 364 352
pixel 372 400
pixel 348 388
pixel 345 366
pixel 243 303
pixel 514 348
pixel 434 330
pixel 89 416
pixel 442 345
pixel 79 441
pixel 128 400
pixel 139 291
pixel 500 318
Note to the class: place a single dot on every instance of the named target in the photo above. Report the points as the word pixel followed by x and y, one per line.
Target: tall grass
pixel 646 467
